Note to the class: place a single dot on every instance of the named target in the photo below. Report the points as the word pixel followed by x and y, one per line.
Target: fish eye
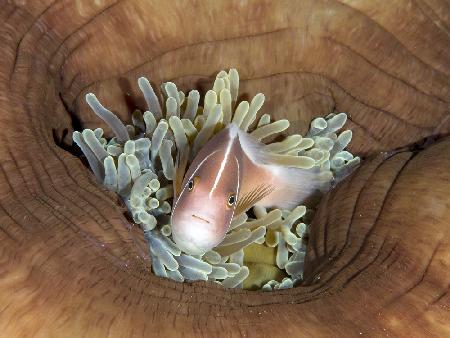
pixel 192 183
pixel 231 200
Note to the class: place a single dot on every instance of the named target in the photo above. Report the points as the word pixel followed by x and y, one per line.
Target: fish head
pixel 205 207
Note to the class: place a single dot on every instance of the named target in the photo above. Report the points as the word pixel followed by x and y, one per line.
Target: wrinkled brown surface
pixel 379 259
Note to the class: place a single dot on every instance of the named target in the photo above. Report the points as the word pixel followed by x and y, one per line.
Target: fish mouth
pixel 202 219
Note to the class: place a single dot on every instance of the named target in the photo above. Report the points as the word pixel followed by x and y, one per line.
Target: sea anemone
pixel 263 248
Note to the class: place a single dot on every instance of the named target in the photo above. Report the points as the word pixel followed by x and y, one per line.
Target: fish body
pixel 230 174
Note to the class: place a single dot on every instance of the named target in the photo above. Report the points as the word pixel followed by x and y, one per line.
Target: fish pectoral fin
pixel 251 197
pixel 180 170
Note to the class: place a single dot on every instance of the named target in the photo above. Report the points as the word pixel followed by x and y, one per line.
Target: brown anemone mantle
pixel 379 259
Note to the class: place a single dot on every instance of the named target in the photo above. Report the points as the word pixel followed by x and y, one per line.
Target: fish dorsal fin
pixel 290 186
pixel 251 147
pixel 250 198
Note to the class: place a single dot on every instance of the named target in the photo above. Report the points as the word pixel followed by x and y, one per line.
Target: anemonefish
pixel 230 174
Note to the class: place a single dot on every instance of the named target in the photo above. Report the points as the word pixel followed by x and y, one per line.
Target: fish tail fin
pixel 294 186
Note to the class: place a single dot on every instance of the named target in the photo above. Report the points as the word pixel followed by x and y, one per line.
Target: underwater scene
pixel 226 168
